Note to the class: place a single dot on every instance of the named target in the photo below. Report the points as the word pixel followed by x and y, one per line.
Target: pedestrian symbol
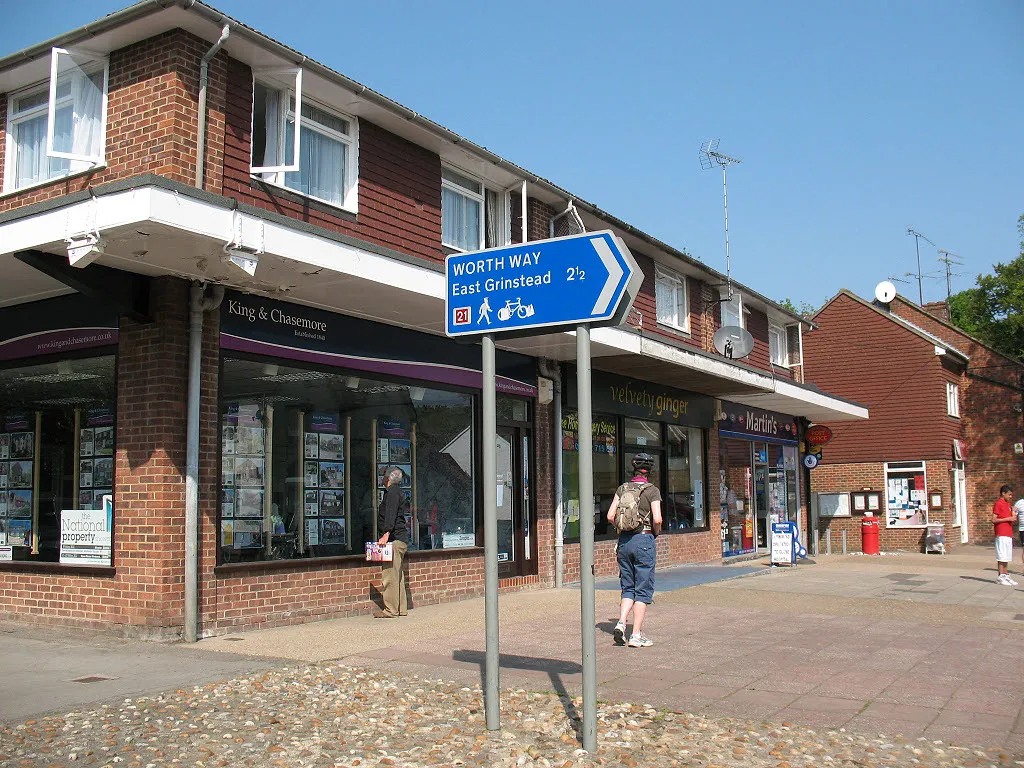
pixel 485 311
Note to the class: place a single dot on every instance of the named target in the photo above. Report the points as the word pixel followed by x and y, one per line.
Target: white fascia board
pixel 816 406
pixel 153 204
pixel 87 216
pixel 280 240
pixel 706 365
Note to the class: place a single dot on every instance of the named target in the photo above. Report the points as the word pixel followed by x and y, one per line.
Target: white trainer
pixel 1010 580
pixel 620 633
pixel 640 640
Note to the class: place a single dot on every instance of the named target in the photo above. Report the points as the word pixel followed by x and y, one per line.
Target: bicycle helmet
pixel 643 463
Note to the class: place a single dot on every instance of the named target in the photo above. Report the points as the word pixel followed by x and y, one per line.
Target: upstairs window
pixel 324 145
pixel 472 216
pixel 777 345
pixel 732 311
pixel 59 128
pixel 671 300
pixel 953 399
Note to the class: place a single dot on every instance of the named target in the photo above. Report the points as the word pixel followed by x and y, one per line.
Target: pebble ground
pixel 327 715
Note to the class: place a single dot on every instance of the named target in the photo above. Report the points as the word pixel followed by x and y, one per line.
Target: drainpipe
pixel 522 198
pixel 204 79
pixel 199 302
pixel 551 370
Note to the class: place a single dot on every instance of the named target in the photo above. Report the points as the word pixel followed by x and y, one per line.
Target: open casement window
pixel 671 300
pixel 777 346
pixel 732 310
pixel 275 94
pixel 462 211
pixel 76 116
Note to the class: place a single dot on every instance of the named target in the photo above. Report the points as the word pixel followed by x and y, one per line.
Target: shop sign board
pixel 590 278
pixel 746 420
pixel 637 399
pixel 819 434
pixel 85 535
pixel 6 553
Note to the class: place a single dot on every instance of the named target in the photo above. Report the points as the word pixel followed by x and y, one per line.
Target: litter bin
pixel 869 535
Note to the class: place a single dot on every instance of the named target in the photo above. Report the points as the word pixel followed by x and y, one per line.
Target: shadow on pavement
pixel 554 667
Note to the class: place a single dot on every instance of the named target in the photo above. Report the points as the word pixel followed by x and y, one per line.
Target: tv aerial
pixel 918 237
pixel 949 259
pixel 709 158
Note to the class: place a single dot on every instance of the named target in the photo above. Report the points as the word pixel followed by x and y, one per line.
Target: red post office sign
pixel 819 434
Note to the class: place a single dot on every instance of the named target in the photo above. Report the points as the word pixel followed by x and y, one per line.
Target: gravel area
pixel 329 714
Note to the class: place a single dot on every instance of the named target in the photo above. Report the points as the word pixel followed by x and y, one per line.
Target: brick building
pixel 945 429
pixel 222 293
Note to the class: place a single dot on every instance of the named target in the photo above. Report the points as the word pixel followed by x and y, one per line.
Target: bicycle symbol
pixel 517 308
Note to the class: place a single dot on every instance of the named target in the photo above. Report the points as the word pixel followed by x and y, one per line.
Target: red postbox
pixel 869 535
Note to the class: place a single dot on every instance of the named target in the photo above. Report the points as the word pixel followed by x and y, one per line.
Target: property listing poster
pixel 394 449
pixel 243 476
pixel 324 480
pixel 96 457
pixel 17 477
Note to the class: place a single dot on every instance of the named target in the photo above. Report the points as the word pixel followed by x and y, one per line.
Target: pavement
pixel 925 648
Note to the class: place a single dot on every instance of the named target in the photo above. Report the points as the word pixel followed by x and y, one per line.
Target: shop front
pixel 315 406
pixel 631 417
pixel 58 361
pixel 758 471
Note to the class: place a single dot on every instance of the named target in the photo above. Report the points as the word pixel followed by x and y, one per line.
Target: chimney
pixel 937 309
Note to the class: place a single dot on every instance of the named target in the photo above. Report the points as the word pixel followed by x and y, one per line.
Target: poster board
pixel 833 505
pixel 782 546
pixel 243 476
pixel 86 535
pixel 324 507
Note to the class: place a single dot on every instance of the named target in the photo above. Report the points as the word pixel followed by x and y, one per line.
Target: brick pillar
pixel 149 519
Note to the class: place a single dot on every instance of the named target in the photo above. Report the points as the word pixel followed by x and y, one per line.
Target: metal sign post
pixel 489 429
pixel 587 610
pixel 530 289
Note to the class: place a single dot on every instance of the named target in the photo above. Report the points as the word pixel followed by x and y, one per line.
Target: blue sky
pixel 853 120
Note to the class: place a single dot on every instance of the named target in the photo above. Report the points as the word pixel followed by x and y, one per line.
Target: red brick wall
pixel 399 182
pixel 151 117
pixel 844 478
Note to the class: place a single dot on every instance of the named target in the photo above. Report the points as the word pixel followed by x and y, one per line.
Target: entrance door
pixel 761 495
pixel 960 501
pixel 512 464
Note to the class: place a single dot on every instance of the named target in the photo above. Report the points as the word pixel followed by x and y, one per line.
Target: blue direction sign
pixel 566 281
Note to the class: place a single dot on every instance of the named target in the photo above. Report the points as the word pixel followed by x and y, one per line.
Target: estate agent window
pixel 320 160
pixel 56 449
pixel 671 300
pixel 303 455
pixel 57 128
pixel 678 469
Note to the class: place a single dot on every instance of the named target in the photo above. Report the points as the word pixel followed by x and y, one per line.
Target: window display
pixel 303 454
pixel 906 499
pixel 56 449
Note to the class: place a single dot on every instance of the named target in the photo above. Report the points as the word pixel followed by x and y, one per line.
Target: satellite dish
pixel 885 292
pixel 733 342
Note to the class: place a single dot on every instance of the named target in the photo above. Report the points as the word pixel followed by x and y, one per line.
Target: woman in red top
pixel 1002 515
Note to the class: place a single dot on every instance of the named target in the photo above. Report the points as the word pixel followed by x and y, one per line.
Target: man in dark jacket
pixel 392 528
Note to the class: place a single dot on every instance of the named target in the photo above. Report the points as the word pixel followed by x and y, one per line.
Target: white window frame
pixel 478 197
pixel 266 78
pixel 779 332
pixel 681 308
pixel 49 107
pixel 953 399
pixel 737 302
pixel 275 174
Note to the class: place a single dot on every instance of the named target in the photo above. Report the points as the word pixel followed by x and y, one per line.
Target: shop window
pixel 670 299
pixel 472 216
pixel 56 449
pixel 683 493
pixel 319 161
pixel 906 495
pixel 643 434
pixel 606 472
pixel 304 454
pixel 59 128
pixel 736 496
